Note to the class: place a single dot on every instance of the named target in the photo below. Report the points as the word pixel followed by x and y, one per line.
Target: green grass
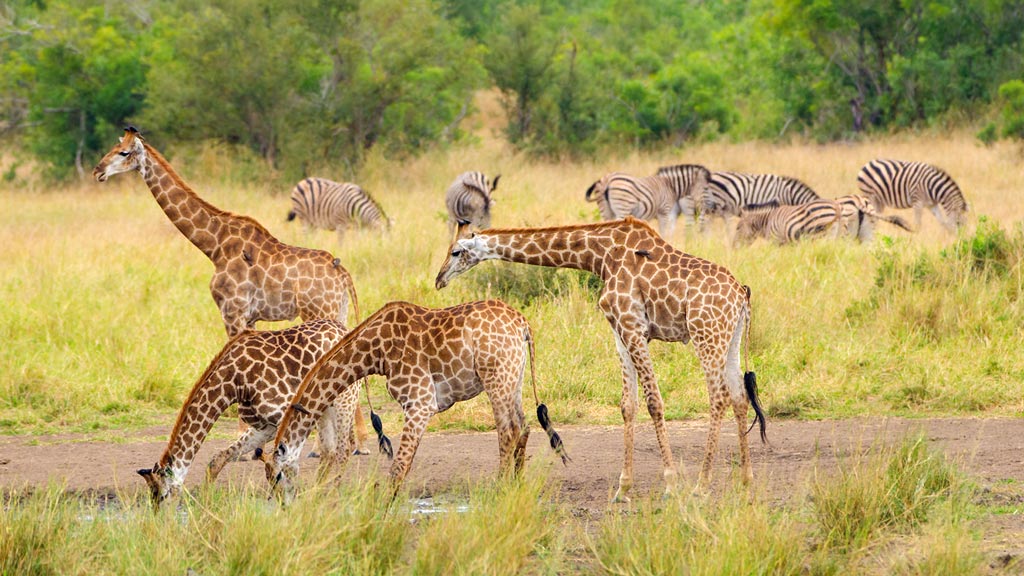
pixel 914 520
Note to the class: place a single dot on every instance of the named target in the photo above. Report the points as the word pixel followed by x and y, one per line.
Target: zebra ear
pixel 463 230
pixel 494 184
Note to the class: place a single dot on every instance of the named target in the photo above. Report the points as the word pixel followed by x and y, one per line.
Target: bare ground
pixel 990 450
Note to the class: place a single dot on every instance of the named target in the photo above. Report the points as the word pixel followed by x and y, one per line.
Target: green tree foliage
pixel 317 83
pixel 1012 95
pixel 76 74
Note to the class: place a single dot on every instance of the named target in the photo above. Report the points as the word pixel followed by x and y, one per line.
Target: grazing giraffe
pixel 260 371
pixel 651 292
pixel 256 277
pixel 432 359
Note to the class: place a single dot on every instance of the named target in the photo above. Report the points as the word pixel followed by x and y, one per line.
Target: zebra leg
pixel 666 225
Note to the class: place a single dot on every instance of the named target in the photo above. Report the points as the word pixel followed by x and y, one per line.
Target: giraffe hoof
pixel 360 452
pixel 313 455
pixel 620 499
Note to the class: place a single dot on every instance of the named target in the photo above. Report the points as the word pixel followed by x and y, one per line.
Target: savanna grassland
pixel 107 321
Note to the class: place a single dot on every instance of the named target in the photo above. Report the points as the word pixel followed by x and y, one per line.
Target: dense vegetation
pixel 302 85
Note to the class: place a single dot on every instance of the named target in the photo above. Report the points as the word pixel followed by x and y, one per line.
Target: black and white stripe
pixel 469 200
pixel 787 223
pixel 674 190
pixel 330 205
pixel 900 184
pixel 859 218
pixel 730 192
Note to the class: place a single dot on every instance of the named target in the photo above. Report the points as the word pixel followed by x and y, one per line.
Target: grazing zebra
pixel 788 223
pixel 469 200
pixel 672 191
pixel 329 205
pixel 899 184
pixel 860 217
pixel 728 193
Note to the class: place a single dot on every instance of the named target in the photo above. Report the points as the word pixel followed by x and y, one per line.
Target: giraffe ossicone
pixel 651 292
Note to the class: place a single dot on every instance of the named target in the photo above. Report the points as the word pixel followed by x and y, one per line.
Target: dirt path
pixel 991 450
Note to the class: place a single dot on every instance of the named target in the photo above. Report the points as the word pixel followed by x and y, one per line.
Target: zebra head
pixel 463 255
pixel 127 155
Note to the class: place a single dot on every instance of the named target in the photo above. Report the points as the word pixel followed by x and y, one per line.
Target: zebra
pixel 330 205
pixel 859 217
pixel 728 193
pixel 672 191
pixel 900 184
pixel 788 223
pixel 469 201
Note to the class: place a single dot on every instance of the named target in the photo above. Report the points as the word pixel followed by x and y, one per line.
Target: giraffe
pixel 651 292
pixel 432 359
pixel 256 276
pixel 260 371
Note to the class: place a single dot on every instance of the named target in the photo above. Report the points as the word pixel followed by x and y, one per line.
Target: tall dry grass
pixel 108 320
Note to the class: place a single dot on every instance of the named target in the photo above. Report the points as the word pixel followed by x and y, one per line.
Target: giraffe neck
pixel 579 247
pixel 201 222
pixel 194 422
pixel 360 353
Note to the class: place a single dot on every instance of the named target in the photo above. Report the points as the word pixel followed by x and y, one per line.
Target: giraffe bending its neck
pixel 432 359
pixel 256 276
pixel 651 292
pixel 260 371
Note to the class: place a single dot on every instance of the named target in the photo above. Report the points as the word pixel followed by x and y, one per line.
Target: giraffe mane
pixel 214 364
pixel 180 182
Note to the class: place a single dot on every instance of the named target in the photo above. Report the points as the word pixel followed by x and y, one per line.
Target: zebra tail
pixel 898 222
pixel 592 192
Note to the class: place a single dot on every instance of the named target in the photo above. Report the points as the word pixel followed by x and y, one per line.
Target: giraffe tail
pixel 750 379
pixel 542 411
pixel 383 442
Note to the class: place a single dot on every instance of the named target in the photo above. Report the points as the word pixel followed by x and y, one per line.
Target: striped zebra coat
pixel 899 184
pixel 788 223
pixel 672 191
pixel 859 218
pixel 469 201
pixel 728 193
pixel 329 205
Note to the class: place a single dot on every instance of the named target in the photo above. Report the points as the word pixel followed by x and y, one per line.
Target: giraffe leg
pixel 416 419
pixel 740 402
pixel 360 431
pixel 718 395
pixel 519 417
pixel 508 424
pixel 628 407
pixel 637 347
pixel 251 440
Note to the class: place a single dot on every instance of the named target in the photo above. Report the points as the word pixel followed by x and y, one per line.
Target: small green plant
pixel 892 490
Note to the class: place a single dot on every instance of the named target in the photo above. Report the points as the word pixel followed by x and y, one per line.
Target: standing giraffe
pixel 260 371
pixel 256 276
pixel 432 359
pixel 651 292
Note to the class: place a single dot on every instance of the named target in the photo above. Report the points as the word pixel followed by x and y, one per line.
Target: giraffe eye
pixel 125 153
pixel 456 253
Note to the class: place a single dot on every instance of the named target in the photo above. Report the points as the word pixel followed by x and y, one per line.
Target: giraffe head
pixel 159 479
pixel 127 155
pixel 465 253
pixel 280 474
